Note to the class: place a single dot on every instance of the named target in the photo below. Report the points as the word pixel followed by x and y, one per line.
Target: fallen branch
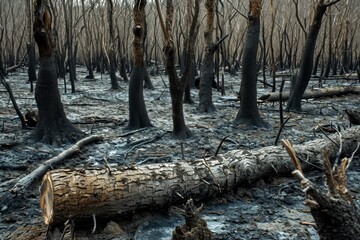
pixel 16 107
pixel 106 193
pixel 26 181
pixel 315 93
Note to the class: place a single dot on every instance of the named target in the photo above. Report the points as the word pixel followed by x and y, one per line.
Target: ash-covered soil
pixel 270 209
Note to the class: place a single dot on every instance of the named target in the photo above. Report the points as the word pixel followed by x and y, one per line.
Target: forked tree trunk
pixel 109 192
pixel 190 80
pixel 306 65
pixel 177 85
pixel 53 126
pixel 249 112
pixel 138 116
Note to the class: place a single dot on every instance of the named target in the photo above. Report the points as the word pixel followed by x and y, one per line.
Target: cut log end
pixel 47 199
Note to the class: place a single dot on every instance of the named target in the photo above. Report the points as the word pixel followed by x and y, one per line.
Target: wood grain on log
pixel 79 193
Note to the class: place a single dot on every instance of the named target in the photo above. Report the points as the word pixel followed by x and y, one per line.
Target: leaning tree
pixel 52 126
pixel 249 113
pixel 306 65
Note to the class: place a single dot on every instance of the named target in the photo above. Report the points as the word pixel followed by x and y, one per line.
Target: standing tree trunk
pixel 88 43
pixel 112 58
pixel 207 68
pixel 71 62
pixel 31 47
pixel 186 57
pixel 249 112
pixel 53 126
pixel 307 60
pixel 138 117
pixel 177 85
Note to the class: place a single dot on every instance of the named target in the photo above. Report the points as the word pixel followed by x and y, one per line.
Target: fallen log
pixel 315 93
pixel 82 193
pixel 25 182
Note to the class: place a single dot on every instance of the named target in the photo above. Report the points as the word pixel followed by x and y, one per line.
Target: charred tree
pixel 31 48
pixel 53 126
pixel 177 85
pixel 2 68
pixel 122 67
pixel 335 213
pixel 306 65
pixel 207 69
pixel 138 117
pixel 249 113
pixel 71 61
pixel 88 43
pixel 190 80
pixel 111 53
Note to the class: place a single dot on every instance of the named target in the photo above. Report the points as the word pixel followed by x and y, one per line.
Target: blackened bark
pixel 336 219
pixel 31 67
pixel 112 59
pixel 180 130
pixel 207 68
pixel 53 126
pixel 249 113
pixel 306 65
pixel 147 84
pixel 138 117
pixel 123 73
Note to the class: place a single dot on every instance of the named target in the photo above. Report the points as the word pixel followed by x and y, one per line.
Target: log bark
pixel 82 193
pixel 315 93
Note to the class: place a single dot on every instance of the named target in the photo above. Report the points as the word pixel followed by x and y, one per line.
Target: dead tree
pixel 306 65
pixel 138 117
pixel 111 52
pixel 207 69
pixel 177 85
pixel 53 126
pixel 71 59
pixel 106 192
pixel 88 60
pixel 249 113
pixel 335 213
pixel 31 46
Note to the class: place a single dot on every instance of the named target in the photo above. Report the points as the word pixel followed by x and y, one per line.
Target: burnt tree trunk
pixel 2 68
pixel 138 116
pixel 88 43
pixel 109 191
pixel 122 67
pixel 189 56
pixel 177 85
pixel 53 126
pixel 68 15
pixel 207 69
pixel 112 58
pixel 306 65
pixel 249 113
pixel 31 48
